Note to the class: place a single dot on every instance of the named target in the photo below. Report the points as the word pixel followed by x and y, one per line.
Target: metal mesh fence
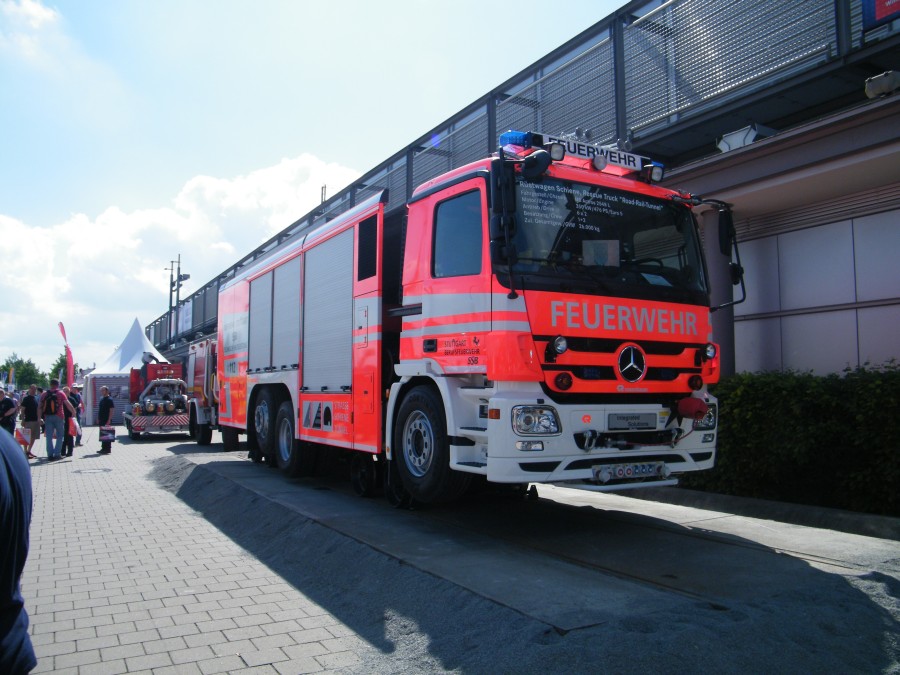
pixel 450 150
pixel 686 53
pixel 579 94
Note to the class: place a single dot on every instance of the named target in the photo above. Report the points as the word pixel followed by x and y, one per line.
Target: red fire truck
pixel 202 389
pixel 159 401
pixel 539 316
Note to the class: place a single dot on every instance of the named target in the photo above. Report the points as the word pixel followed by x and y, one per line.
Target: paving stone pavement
pixel 123 577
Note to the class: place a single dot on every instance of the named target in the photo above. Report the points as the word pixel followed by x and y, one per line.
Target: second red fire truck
pixel 539 316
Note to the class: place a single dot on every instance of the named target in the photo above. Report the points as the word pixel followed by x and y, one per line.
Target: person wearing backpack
pixel 52 405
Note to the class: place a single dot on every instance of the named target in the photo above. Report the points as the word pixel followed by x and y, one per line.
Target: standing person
pixel 79 412
pixel 16 652
pixel 68 437
pixel 8 410
pixel 40 396
pixel 104 417
pixel 52 404
pixel 30 417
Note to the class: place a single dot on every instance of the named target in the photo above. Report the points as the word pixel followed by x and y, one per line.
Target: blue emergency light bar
pixel 521 138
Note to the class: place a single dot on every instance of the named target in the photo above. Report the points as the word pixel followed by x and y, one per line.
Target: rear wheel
pixel 201 433
pixel 230 439
pixel 422 449
pixel 133 435
pixel 204 434
pixel 394 491
pixel 364 474
pixel 294 457
pixel 264 413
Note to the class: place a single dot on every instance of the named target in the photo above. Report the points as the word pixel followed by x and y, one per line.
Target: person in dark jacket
pixel 16 652
pixel 31 420
pixel 104 417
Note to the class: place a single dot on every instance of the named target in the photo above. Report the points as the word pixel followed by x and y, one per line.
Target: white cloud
pixel 29 30
pixel 97 275
pixel 28 12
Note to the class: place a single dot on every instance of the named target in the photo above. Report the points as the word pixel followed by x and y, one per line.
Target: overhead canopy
pixel 129 353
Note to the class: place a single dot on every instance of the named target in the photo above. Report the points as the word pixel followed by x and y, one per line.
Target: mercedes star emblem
pixel 632 364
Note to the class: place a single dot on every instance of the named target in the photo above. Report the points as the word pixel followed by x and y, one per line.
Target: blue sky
pixel 132 131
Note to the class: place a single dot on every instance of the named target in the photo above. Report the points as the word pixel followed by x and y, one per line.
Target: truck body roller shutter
pixel 328 315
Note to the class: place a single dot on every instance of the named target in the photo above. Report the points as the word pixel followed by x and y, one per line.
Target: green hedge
pixel 826 441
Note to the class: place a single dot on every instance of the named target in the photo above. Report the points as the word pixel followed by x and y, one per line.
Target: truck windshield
pixel 592 239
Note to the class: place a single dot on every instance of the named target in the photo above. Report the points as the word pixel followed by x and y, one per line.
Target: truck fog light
pixel 563 381
pixel 695 382
pixel 530 446
pixel 708 438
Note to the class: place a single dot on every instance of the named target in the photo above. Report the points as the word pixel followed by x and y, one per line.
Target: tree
pixel 26 372
pixel 60 366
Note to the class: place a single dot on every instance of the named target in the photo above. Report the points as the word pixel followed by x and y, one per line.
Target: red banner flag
pixel 70 367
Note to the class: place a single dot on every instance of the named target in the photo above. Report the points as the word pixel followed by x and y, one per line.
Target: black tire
pixel 230 440
pixel 192 423
pixel 133 435
pixel 394 491
pixel 204 434
pixel 264 413
pixel 364 474
pixel 422 449
pixel 294 457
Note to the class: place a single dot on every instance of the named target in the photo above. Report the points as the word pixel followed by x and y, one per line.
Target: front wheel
pixel 422 449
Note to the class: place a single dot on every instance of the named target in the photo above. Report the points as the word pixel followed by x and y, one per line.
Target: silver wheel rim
pixel 285 440
pixel 418 443
pixel 261 419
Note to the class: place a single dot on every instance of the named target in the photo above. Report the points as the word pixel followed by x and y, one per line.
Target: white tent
pixel 115 372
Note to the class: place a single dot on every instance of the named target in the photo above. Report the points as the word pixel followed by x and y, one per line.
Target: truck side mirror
pixel 503 187
pixel 726 231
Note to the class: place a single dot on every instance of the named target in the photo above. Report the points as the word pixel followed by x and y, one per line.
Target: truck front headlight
pixel 709 420
pixel 529 420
